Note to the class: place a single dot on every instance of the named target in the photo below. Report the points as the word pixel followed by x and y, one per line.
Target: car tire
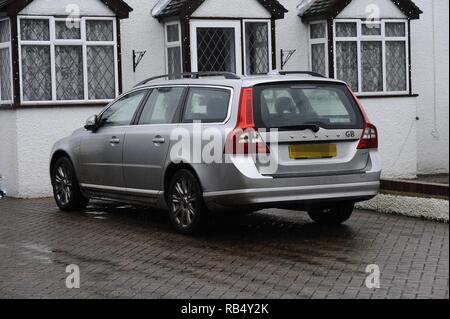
pixel 66 189
pixel 332 213
pixel 187 210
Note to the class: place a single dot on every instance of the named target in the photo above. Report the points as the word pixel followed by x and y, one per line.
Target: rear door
pixel 147 143
pixel 318 128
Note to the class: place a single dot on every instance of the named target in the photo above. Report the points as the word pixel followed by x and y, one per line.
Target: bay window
pixel 372 57
pixel 238 46
pixel 67 62
pixel 6 95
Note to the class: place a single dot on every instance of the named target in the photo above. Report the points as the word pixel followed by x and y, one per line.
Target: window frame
pixel 83 42
pixel 137 114
pixel 244 43
pixel 172 44
pixel 176 117
pixel 377 38
pixel 319 41
pixel 182 120
pixel 236 25
pixel 147 93
pixel 7 45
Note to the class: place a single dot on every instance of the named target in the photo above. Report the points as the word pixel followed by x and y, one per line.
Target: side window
pixel 161 106
pixel 122 112
pixel 206 105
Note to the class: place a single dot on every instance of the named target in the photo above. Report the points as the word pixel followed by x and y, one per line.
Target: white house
pixel 62 61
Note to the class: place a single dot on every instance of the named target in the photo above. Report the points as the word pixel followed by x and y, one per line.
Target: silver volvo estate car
pixel 198 143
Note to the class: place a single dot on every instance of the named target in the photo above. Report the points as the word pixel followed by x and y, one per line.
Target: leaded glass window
pixel 318 63
pixel 372 66
pixel 216 49
pixel 371 28
pixel 60 63
pixel 395 29
pixel 346 29
pixel 395 65
pixel 174 60
pixel 347 63
pixel 318 41
pixel 5 62
pixel 257 47
pixel 34 30
pixel 65 31
pixel 5 75
pixel 36 73
pixel 100 62
pixel 69 72
pixel 99 30
pixel 372 56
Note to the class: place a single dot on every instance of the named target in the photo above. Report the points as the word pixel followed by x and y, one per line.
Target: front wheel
pixel 66 190
pixel 331 213
pixel 187 211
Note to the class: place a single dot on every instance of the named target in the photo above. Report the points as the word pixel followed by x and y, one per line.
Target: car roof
pixel 245 81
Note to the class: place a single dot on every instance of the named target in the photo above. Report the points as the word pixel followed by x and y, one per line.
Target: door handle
pixel 159 140
pixel 114 141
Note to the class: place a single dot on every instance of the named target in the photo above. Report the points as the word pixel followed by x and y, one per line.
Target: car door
pixel 147 144
pixel 101 151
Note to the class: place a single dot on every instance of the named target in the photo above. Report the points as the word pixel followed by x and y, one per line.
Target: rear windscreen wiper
pixel 313 127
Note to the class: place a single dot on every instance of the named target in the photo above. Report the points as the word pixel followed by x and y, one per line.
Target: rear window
pixel 287 105
pixel 208 105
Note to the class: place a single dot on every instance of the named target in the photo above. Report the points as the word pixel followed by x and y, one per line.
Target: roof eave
pixel 186 11
pixel 119 7
pixel 309 18
pixel 410 9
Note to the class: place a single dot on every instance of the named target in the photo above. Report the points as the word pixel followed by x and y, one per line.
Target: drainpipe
pixel 435 131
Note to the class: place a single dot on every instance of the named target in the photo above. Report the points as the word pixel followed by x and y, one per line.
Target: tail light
pixel 369 138
pixel 245 139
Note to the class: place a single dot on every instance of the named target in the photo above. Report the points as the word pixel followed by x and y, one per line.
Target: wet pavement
pixel 126 252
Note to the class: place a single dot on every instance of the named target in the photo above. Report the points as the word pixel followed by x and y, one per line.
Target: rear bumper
pixel 239 185
pixel 277 196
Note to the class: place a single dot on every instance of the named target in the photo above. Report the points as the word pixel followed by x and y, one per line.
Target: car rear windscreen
pixel 287 105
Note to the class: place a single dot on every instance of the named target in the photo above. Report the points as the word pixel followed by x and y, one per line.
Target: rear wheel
pixel 331 213
pixel 66 190
pixel 187 211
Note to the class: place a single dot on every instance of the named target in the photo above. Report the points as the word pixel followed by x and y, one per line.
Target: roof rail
pixel 302 72
pixel 192 75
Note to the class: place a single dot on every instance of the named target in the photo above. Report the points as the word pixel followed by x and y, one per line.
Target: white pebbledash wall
pixel 430 52
pixel 407 145
pixel 28 134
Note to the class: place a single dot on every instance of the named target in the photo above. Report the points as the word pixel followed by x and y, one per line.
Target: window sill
pixel 31 105
pixel 386 96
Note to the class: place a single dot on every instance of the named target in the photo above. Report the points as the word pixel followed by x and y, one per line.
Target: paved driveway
pixel 125 252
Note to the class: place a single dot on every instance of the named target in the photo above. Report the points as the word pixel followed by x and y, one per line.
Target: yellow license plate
pixel 307 151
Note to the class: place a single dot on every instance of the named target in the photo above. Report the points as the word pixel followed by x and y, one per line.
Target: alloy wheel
pixel 63 185
pixel 184 202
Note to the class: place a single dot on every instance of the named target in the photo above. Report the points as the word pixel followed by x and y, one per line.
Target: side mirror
pixel 92 123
